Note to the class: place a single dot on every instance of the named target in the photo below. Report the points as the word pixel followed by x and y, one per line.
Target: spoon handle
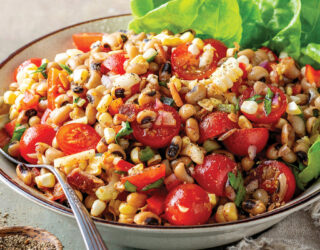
pixel 90 233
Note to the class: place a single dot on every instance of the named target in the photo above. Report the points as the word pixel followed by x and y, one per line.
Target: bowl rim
pixel 54 206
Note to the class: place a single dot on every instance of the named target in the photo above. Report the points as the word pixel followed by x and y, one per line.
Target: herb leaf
pixel 42 69
pixel 167 100
pixel 130 187
pixel 76 100
pixel 238 185
pixel 17 133
pixel 268 101
pixel 163 84
pixel 255 98
pixel 66 68
pixel 146 154
pixel 125 130
pixel 155 184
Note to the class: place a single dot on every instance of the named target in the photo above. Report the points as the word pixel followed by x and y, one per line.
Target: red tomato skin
pixel 171 182
pixel 160 136
pixel 114 63
pixel 239 142
pixel 283 168
pixel 181 57
pixel 187 204
pixel 274 116
pixel 10 126
pixel 77 137
pixel 45 116
pixel 212 174
pixel 156 203
pixel 312 75
pixel 83 41
pixel 215 124
pixel 38 133
pixel 36 61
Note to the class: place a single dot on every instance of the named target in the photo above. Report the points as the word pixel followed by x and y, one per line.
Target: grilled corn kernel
pixel 249 107
pixel 98 207
pixel 293 109
pixel 198 42
pixel 109 135
pixel 9 97
pixel 45 181
pixel 219 217
pixel 104 103
pixel 230 212
pixel 127 209
pixel 80 76
pixel 61 58
pixel 26 84
pixel 105 119
pixel 171 41
pixel 187 37
pixel 124 218
pixel 213 199
pixel 134 155
pixel 94 167
pixel 136 199
pixel 137 169
pixel 107 193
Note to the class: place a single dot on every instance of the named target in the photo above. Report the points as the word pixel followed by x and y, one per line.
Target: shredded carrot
pixel 175 94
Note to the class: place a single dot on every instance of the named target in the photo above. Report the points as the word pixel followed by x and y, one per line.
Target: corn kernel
pixel 127 209
pixel 243 59
pixel 26 84
pixel 107 193
pixel 219 217
pixel 293 109
pixel 9 97
pixel 98 207
pixel 109 135
pixel 249 107
pixel 45 181
pixel 134 155
pixel 124 218
pixel 61 58
pixel 213 199
pixel 221 85
pixel 105 119
pixel 94 166
pixel 187 37
pixel 198 42
pixel 104 103
pixel 80 76
pixel 137 169
pixel 230 211
pixel 171 41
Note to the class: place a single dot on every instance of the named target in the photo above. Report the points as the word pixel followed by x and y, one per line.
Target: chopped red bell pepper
pixel 29 101
pixel 156 203
pixel 296 89
pixel 243 67
pixel 171 182
pixel 10 126
pixel 312 75
pixel 148 176
pixel 45 116
pixel 123 166
pixel 114 106
pixel 270 54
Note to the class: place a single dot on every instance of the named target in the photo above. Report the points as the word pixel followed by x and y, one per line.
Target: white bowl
pixel 189 237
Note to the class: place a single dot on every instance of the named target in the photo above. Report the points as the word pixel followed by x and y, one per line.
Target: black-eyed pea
pixel 192 129
pixel 186 111
pixel 117 150
pixel 273 152
pixel 261 195
pixel 14 149
pixel 147 218
pixel 184 159
pixel 181 173
pixel 287 154
pixel 34 120
pixel 196 94
pixel 174 148
pixel 287 135
pixel 146 118
pixel 310 123
pixel 247 163
pixel 248 53
pixel 52 154
pixel 258 73
pixel 24 174
pixel 298 125
pixel 91 113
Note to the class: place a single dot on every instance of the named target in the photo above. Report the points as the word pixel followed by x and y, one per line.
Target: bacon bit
pixel 175 94
pixel 84 182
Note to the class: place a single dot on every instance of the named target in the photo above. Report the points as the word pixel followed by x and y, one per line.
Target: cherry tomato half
pixel 212 174
pixel 76 137
pixel 215 124
pixel 114 63
pixel 36 61
pixel 187 204
pixel 239 142
pixel 83 41
pixel 278 107
pixel 38 133
pixel 312 75
pixel 163 129
pixel 276 178
pixel 186 65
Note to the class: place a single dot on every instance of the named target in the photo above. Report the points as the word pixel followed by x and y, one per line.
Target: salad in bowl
pixel 171 127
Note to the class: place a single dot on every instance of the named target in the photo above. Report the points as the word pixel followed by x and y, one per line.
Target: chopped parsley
pixel 268 101
pixel 66 68
pixel 155 184
pixel 42 69
pixel 237 184
pixel 125 130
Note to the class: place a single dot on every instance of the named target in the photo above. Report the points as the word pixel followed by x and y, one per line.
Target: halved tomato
pixel 312 75
pixel 239 142
pixel 76 137
pixel 278 106
pixel 186 65
pixel 276 178
pixel 215 124
pixel 163 129
pixel 83 41
pixel 38 133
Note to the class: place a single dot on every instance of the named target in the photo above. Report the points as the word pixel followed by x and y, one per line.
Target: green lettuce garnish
pixel 291 26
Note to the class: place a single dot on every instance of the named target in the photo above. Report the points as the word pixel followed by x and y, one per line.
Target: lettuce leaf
pixel 142 7
pixel 219 19
pixel 312 171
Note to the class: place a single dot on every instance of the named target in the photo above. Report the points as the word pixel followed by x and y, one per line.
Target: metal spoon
pixel 89 232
